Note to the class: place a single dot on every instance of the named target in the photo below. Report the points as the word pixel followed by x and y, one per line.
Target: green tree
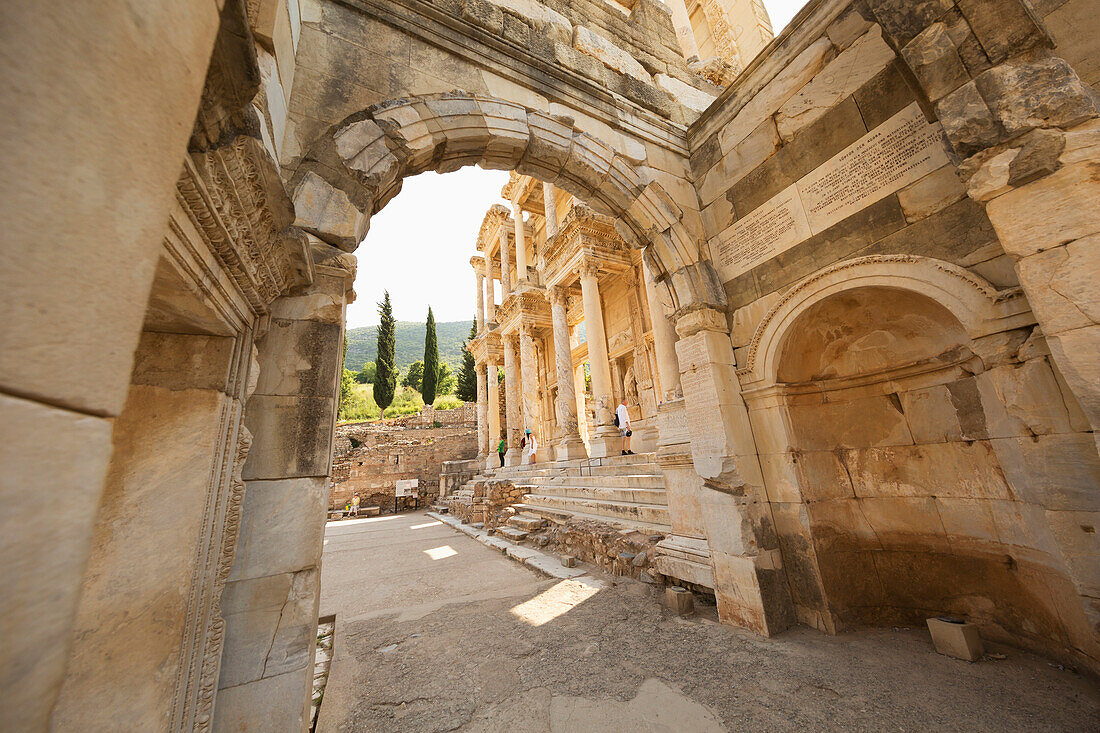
pixel 366 374
pixel 347 393
pixel 385 377
pixel 431 362
pixel 446 379
pixel 414 376
pixel 466 389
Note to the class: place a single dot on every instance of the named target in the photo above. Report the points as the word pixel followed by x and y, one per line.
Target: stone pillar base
pixel 645 437
pixel 752 593
pixel 493 460
pixel 513 457
pixel 569 449
pixel 605 443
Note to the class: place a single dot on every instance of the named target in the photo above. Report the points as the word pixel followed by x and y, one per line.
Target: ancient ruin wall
pixel 370 458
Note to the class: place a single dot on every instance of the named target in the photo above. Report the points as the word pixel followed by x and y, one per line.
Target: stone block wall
pixel 370 458
pixel 933 465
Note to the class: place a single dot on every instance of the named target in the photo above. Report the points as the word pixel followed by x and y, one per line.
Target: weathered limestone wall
pixel 65 242
pixel 369 459
pixel 906 453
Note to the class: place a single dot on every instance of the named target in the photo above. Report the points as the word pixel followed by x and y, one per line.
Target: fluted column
pixel 521 245
pixel 551 208
pixel 505 266
pixel 529 377
pixel 482 414
pixel 493 409
pixel 664 342
pixel 490 296
pixel 479 273
pixel 570 445
pixel 604 441
pixel 512 409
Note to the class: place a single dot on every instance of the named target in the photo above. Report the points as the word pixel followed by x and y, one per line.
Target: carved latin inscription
pixel 896 153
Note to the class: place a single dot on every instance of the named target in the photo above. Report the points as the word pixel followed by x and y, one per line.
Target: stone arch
pixel 980 307
pixel 352 170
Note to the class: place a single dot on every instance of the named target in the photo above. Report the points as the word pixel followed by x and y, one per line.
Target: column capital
pixel 588 268
pixel 478 263
pixel 558 294
pixel 701 319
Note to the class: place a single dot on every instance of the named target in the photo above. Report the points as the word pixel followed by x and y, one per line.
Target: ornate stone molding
pixel 701 319
pixel 979 306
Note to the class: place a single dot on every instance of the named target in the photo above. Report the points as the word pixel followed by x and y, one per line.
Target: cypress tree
pixel 385 376
pixel 467 375
pixel 431 361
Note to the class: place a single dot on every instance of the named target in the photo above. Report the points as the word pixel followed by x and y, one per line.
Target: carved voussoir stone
pixel 548 148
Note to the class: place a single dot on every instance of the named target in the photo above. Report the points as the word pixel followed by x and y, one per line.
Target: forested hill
pixel 409 344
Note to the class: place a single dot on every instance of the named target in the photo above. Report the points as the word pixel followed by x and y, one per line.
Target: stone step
pixel 561 515
pixel 655 514
pixel 512 533
pixel 629 481
pixel 526 523
pixel 602 493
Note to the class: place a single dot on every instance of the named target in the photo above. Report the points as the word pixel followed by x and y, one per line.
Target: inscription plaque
pixel 893 155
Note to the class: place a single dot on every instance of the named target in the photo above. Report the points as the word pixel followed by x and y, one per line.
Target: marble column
pixel 490 297
pixel 664 343
pixel 479 273
pixel 521 245
pixel 505 266
pixel 529 378
pixel 570 445
pixel 482 413
pixel 512 410
pixel 605 438
pixel 550 205
pixel 579 390
pixel 493 408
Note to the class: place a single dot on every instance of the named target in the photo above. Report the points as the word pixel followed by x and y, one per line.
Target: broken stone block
pixel 1042 93
pixel 568 561
pixel 1038 157
pixel 904 19
pixel 967 120
pixel 935 62
pixel 956 638
pixel 1003 27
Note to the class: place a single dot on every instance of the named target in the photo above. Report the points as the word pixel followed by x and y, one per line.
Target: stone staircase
pixel 628 491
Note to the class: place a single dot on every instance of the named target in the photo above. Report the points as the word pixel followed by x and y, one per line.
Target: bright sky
pixel 419 246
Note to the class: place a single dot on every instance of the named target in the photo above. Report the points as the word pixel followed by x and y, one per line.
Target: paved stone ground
pixel 437 632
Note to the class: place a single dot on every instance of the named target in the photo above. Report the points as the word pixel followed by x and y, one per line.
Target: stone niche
pixel 892 455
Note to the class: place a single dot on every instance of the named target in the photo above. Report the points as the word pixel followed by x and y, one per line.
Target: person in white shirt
pixel 532 446
pixel 622 418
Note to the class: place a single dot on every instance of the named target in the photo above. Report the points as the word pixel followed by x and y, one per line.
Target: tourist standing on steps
pixel 532 446
pixel 501 449
pixel 355 506
pixel 622 419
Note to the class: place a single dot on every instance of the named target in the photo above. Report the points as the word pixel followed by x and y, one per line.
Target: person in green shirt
pixel 501 449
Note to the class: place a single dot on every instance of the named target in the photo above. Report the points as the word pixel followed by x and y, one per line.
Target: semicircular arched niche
pixel 978 307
